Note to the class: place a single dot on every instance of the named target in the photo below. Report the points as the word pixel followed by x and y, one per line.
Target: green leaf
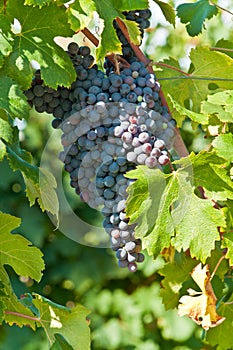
pixel 134 31
pixel 2 150
pixel 198 230
pixel 6 39
pixel 19 159
pixel 227 242
pixel 223 145
pixel 196 86
pixel 227 47
pixel 184 112
pixel 150 205
pixel 6 132
pixel 36 42
pixel 214 179
pixel 221 105
pixel 220 335
pixel 17 251
pixel 14 311
pixel 43 191
pixel 80 14
pixel 61 343
pixel 142 201
pixel 227 237
pixel 129 5
pixel 69 323
pixel 39 3
pixel 175 274
pixel 194 15
pixel 40 184
pixel 109 41
pixel 12 99
pixel 167 11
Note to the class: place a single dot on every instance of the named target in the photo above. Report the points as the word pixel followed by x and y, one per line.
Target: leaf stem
pixel 7 312
pixel 220 49
pixel 221 8
pixel 217 266
pixel 160 64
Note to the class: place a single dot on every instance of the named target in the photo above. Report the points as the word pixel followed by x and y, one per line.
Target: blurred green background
pixel 126 311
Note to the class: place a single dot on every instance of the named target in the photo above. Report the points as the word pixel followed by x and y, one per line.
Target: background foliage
pixel 126 311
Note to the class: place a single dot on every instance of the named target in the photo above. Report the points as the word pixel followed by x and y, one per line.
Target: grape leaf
pixel 198 236
pixel 227 237
pixel 14 311
pixel 19 159
pixel 162 211
pixel 154 217
pixel 6 132
pixel 134 31
pixel 214 179
pixel 196 86
pixel 39 3
pixel 80 14
pixel 70 323
pixel 36 42
pixel 227 242
pixel 26 260
pixel 218 336
pixel 175 274
pixel 129 5
pixel 61 343
pixel 184 112
pixel 195 15
pixel 109 41
pixel 12 99
pixel 6 40
pixel 43 191
pixel 167 11
pixel 226 45
pixel 223 145
pixel 220 104
pixel 40 184
pixel 142 201
pixel 201 306
pixel 17 251
pixel 2 150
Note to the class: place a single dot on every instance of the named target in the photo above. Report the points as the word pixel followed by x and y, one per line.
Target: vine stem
pixel 90 36
pixel 178 142
pixel 217 266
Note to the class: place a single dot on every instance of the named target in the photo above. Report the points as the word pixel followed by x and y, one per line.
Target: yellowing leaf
pixel 201 306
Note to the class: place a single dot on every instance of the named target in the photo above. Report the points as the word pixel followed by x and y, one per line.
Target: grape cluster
pixel 45 99
pixel 101 143
pixel 111 123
